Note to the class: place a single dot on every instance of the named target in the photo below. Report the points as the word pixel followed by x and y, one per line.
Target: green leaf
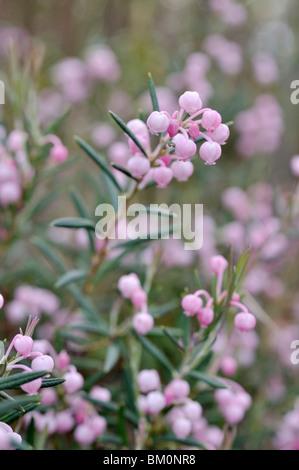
pixel 48 383
pixel 124 171
pixel 241 267
pixel 155 352
pixel 73 222
pixel 214 383
pixel 152 209
pixel 7 407
pixel 112 407
pixel 172 338
pixel 71 276
pixel 91 152
pixel 121 424
pixel 15 415
pixel 125 128
pixel 57 123
pixel 82 212
pixel 186 442
pixel 111 358
pixel 49 254
pixel 153 94
pixel 16 380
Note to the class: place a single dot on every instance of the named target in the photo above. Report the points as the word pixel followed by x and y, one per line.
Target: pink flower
pixel 210 152
pixel 23 345
pixel 191 305
pixel 59 153
pixel 245 322
pixel 218 264
pixel 84 435
pixel 173 127
pixel 148 381
pixel 1 301
pixel 190 102
pixel 182 427
pixel 42 363
pixel 158 122
pixel 100 394
pixel 220 134
pixel 139 298
pixel 73 382
pixel 32 388
pixel 228 365
pixel 155 402
pixel 143 323
pixel 138 166
pixel 128 284
pixel 185 148
pixel 295 166
pixel 182 170
pixel 206 317
pixel 162 176
pixel 211 120
pixel 194 131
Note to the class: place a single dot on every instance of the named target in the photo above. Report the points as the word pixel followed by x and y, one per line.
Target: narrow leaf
pixel 152 90
pixel 73 222
pixel 125 128
pixel 71 276
pixel 214 383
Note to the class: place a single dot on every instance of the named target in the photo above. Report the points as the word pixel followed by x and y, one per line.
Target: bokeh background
pixel 249 56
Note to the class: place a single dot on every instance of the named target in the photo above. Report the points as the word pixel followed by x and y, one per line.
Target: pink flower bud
pixel 139 298
pixel 100 394
pixel 190 102
pixel 173 127
pixel 211 120
pixel 143 323
pixel 59 153
pixel 10 193
pixel 49 397
pixel 63 360
pixel 137 127
pixel 228 366
pixel 233 414
pixel 16 140
pixel 1 301
pixel 143 140
pixel 194 131
pixel 220 135
pixel 42 363
pixel 84 435
pixel 245 322
pixel 182 170
pixel 64 422
pixel 185 148
pixel 73 382
pixel 191 305
pixel 148 381
pixel 192 410
pixel 158 122
pixel 206 317
pixel 295 166
pixel 32 388
pixel 98 424
pixel 182 427
pixel 210 152
pixel 23 345
pixel 218 264
pixel 162 176
pixel 177 390
pixel 155 402
pixel 8 438
pixel 128 284
pixel 138 166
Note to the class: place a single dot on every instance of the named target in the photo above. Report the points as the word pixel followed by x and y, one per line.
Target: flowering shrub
pixel 114 335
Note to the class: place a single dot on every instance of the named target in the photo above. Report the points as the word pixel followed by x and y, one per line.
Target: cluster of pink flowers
pixel 193 76
pixel 23 345
pixel 179 133
pixel 287 437
pixel 227 54
pixel 75 77
pixel 31 300
pixel 260 127
pixel 130 288
pixel 257 225
pixel 230 11
pixel 184 417
pixel 15 169
pixel 233 402
pixel 201 303
pixel 78 415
